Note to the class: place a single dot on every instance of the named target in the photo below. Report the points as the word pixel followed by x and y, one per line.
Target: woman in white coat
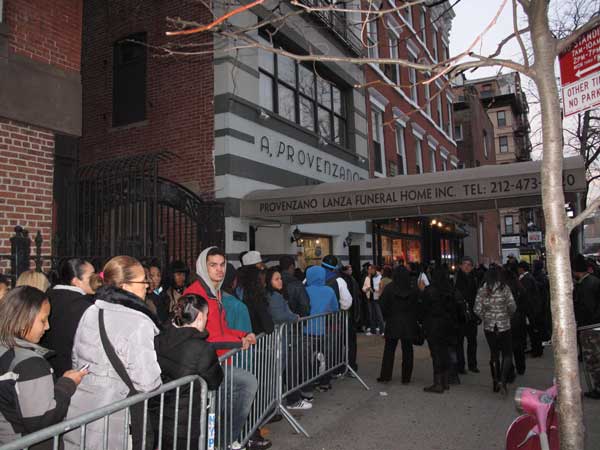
pixel 130 330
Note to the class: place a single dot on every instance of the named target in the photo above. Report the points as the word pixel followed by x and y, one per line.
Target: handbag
pixel 137 410
pixel 419 338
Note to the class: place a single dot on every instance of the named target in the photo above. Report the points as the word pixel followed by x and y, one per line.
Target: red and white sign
pixel 580 74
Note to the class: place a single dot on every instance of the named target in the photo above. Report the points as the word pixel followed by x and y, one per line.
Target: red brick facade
pixel 48 31
pixel 26 176
pixel 179 94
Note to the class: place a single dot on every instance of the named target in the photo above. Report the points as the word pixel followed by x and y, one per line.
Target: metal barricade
pixel 249 374
pixel 312 349
pixel 589 342
pixel 155 405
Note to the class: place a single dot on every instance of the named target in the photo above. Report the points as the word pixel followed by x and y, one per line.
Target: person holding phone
pixel 30 399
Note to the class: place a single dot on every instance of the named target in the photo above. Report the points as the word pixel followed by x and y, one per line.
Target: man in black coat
pixel 532 298
pixel 586 294
pixel 69 299
pixel 466 285
pixel 293 289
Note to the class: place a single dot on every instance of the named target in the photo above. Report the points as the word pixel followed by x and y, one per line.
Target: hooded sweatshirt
pixel 220 335
pixel 322 300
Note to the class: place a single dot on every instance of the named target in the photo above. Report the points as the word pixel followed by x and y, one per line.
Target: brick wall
pixel 48 31
pixel 26 176
pixel 179 103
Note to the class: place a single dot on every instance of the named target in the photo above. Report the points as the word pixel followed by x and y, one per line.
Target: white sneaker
pixel 235 445
pixel 368 333
pixel 300 404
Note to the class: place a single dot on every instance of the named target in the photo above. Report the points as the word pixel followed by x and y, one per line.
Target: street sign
pixel 580 74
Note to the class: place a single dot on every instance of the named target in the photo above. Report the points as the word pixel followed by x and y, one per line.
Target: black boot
pixel 495 381
pixel 437 386
pixel 445 383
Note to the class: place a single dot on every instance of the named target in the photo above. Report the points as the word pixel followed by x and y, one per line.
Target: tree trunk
pixel 557 237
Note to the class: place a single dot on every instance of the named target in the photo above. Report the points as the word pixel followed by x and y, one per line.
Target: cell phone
pixel 84 367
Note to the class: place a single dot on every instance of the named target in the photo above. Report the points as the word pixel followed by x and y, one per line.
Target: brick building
pixel 506 104
pixel 475 145
pixel 40 108
pixel 411 125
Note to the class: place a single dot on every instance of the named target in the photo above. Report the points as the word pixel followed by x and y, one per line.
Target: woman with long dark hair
pixel 495 306
pixel 251 291
pixel 34 400
pixel 399 307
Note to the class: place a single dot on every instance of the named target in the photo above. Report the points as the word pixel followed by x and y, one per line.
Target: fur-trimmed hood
pixel 118 296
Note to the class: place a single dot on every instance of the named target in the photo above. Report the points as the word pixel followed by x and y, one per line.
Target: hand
pixel 245 343
pixel 76 375
pixel 251 338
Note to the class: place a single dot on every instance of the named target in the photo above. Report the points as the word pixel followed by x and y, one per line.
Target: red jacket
pixel 219 333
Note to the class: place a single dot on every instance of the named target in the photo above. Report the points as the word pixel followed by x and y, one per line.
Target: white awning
pixel 483 188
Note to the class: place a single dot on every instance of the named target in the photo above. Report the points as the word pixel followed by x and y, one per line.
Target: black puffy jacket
pixel 181 352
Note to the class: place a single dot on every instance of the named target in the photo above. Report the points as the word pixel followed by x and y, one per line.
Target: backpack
pixel 9 406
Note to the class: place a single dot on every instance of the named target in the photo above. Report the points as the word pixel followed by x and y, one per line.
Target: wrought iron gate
pixel 123 206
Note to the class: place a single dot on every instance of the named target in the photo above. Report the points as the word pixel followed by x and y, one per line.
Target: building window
pixel 129 80
pixel 372 38
pixel 449 107
pixel 446 52
pixel 401 149
pixel 501 117
pixel 508 225
pixel 294 92
pixel 503 144
pixel 407 14
pixel 412 79
pixel 485 145
pixel 444 164
pixel 433 159
pixel 434 44
pixel 440 116
pixel 1 8
pixel 458 132
pixel 419 154
pixel 378 144
pixel 427 98
pixel 392 71
pixel 422 27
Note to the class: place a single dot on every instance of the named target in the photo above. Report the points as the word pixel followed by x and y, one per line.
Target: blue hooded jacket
pixel 322 300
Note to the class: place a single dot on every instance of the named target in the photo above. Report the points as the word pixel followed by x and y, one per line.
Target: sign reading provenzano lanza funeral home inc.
pixel 459 186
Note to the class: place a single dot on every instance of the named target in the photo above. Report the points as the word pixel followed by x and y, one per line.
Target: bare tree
pixel 538 64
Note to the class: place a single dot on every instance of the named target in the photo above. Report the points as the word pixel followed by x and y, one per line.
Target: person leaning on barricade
pixel 115 338
pixel 210 268
pixel 182 350
pixel 30 399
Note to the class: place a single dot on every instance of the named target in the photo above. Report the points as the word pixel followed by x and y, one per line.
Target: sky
pixel 472 17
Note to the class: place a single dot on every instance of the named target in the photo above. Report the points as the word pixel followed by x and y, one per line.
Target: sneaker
pixel 300 404
pixel 258 444
pixel 368 333
pixel 235 445
pixel 376 330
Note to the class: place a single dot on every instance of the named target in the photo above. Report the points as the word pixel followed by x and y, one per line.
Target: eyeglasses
pixel 146 282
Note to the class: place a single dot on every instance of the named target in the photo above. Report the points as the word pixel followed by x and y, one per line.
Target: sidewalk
pixel 469 416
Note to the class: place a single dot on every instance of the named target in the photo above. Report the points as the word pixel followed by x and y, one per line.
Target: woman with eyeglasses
pixel 115 340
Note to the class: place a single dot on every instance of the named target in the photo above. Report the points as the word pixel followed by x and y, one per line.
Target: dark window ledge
pixel 139 124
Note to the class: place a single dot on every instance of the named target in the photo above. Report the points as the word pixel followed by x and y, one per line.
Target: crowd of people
pixel 91 338
pixel 85 339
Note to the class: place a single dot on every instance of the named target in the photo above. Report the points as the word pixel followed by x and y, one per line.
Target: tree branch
pixel 518 34
pixel 575 221
pixel 507 39
pixel 564 44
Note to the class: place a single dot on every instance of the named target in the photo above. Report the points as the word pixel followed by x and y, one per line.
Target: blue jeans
pixel 241 387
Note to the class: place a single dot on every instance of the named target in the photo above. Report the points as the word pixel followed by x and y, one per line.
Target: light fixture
pixel 348 241
pixel 295 236
pixel 433 222
pixel 317 242
pixel 440 224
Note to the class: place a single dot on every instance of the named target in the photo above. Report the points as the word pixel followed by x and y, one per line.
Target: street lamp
pixel 295 236
pixel 348 241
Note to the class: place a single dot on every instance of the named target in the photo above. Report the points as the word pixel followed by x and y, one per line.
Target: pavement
pixel 393 416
